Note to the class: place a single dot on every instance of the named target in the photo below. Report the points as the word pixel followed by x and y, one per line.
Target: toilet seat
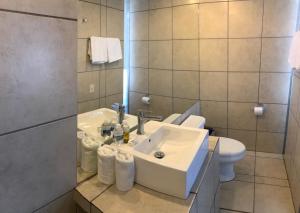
pixel 231 150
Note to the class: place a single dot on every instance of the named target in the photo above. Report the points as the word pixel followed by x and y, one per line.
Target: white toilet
pixel 230 152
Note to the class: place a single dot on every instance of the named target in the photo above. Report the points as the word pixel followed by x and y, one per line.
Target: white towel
pixel 80 137
pixel 114 49
pixel 124 171
pixel 294 58
pixel 98 50
pixel 89 155
pixel 106 164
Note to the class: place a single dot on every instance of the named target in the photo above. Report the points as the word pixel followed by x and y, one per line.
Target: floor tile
pixel 237 196
pixel 270 167
pixel 272 199
pixel 272 181
pixel 245 166
pixel 245 178
pixel 269 155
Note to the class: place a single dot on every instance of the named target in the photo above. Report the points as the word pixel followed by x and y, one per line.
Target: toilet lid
pixel 230 146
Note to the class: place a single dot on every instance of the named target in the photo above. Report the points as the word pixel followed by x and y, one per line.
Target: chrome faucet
pixel 142 117
pixel 120 108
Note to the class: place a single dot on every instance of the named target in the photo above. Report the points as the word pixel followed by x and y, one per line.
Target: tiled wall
pixel 37 102
pixel 292 148
pixel 103 18
pixel 229 54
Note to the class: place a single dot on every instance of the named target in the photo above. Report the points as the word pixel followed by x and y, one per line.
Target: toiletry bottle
pixel 126 130
pixel 118 134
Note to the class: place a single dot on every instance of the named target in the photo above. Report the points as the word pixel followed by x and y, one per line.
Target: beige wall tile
pixel 139 54
pixel 102 83
pixel 139 5
pixel 213 54
pixel 280 17
pixel 135 102
pixel 85 81
pixel 275 53
pixel 274 118
pixel 160 54
pixel 103 21
pixel 182 2
pixel 88 106
pixel 160 4
pixel 185 55
pixel 221 132
pixel 91 12
pixel 270 142
pixel 213 20
pixel 248 138
pixel 160 24
pixel 139 80
pixel 213 86
pixel 274 88
pixel 245 18
pixel 117 98
pixel 274 198
pixel 243 87
pixel 160 82
pixel 117 4
pixel 185 22
pixel 81 55
pixel 241 116
pixel 186 84
pixel 291 141
pixel 180 105
pixel 161 105
pixel 139 25
pixel 244 54
pixel 215 113
pixel 115 23
pixel 114 81
pixel 295 98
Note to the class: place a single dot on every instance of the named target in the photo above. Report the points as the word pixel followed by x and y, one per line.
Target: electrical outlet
pixel 92 88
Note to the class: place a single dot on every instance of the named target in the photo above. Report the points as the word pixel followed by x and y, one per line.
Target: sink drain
pixel 159 154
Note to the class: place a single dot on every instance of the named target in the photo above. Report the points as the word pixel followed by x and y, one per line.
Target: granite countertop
pixel 96 197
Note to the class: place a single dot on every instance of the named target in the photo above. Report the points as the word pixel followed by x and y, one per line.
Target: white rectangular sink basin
pixel 90 121
pixel 185 150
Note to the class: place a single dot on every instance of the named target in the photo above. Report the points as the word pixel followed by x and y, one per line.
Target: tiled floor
pixel 260 186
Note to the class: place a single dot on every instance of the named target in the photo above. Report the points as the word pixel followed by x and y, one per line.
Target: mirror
pixel 141 73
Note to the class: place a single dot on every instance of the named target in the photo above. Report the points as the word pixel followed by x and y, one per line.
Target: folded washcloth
pixel 98 50
pixel 114 49
pixel 124 171
pixel 106 164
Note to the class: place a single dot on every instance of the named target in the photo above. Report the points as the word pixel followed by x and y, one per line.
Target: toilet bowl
pixel 231 151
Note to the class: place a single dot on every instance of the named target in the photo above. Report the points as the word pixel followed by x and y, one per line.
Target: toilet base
pixel 226 172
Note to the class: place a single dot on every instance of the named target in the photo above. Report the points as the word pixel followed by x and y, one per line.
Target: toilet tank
pixel 194 121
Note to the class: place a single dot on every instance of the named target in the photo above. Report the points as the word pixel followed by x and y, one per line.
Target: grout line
pixel 39 15
pixel 228 22
pixel 37 125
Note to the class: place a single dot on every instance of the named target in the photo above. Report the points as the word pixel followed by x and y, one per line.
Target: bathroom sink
pixel 90 121
pixel 169 159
